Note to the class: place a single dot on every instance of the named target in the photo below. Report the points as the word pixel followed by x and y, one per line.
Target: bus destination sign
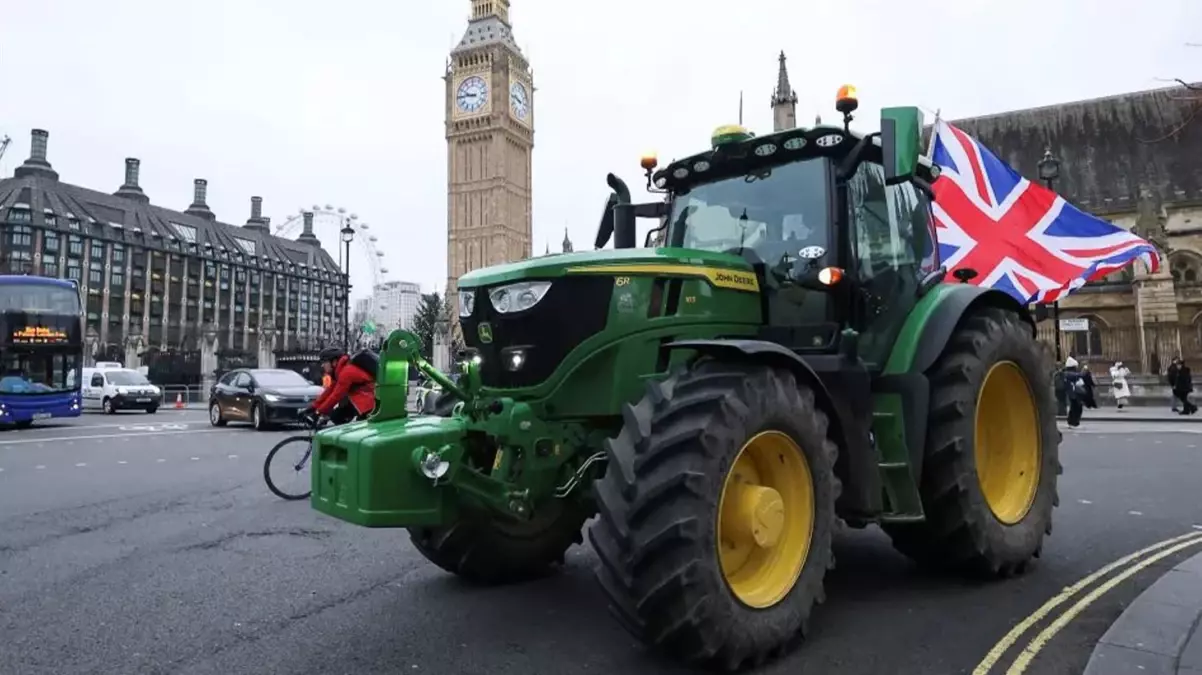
pixel 38 335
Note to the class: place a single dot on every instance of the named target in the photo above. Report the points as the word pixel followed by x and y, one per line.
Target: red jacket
pixel 350 381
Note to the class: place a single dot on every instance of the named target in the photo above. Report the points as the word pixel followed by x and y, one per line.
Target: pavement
pixel 148 544
pixel 1137 414
pixel 1159 633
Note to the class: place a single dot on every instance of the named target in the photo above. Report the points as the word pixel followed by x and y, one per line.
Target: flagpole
pixel 740 108
pixel 934 130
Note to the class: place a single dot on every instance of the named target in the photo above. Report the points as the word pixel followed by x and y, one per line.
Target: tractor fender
pixel 761 350
pixel 936 331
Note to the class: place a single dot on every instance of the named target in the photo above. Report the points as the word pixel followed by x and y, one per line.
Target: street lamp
pixel 1049 171
pixel 348 234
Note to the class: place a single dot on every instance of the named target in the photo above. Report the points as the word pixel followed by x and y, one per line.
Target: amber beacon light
pixel 847 99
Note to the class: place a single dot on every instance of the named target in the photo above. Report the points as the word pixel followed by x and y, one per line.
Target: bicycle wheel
pixel 286 469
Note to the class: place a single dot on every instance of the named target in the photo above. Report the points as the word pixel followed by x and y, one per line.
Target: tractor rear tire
pixel 489 549
pixel 683 576
pixel 992 459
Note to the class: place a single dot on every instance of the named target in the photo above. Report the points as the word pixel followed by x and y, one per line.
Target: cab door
pixel 890 250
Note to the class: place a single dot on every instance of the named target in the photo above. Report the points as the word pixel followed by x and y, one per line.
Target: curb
pixel 1135 418
pixel 1159 632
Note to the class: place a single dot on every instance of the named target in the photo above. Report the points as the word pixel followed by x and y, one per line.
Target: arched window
pixel 1186 267
pixel 1088 344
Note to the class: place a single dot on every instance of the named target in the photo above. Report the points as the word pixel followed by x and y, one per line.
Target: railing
pixel 189 394
pixel 1143 350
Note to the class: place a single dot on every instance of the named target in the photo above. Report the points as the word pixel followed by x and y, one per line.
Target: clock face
pixel 472 94
pixel 519 100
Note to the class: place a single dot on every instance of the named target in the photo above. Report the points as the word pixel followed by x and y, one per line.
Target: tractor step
pixel 902 501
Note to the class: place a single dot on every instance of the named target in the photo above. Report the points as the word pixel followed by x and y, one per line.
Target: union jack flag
pixel 1019 236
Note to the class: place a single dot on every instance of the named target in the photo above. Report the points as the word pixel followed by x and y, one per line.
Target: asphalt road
pixel 149 544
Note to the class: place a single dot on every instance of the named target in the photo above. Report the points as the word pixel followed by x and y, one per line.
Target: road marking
pixel 82 464
pixel 160 460
pixel 1198 527
pixel 1037 643
pixel 195 459
pixel 233 456
pixel 1084 501
pixel 70 440
pixel 40 466
pixel 1038 615
pixel 170 426
pixel 1135 513
pixel 122 461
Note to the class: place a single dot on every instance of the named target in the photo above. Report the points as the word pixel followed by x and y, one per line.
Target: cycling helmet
pixel 330 354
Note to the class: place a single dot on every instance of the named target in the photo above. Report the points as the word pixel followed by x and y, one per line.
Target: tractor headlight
pixel 518 297
pixel 467 303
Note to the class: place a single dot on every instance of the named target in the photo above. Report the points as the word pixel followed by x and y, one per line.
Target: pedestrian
pixel 1075 387
pixel 1170 376
pixel 1182 386
pixel 1087 378
pixel 1118 382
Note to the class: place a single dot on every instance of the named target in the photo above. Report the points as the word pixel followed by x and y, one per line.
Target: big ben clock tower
pixel 490 143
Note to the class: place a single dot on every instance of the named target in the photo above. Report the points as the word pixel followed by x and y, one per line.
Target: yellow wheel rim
pixel 1007 442
pixel 765 519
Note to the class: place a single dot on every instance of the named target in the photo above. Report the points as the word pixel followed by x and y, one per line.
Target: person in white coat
pixel 1118 383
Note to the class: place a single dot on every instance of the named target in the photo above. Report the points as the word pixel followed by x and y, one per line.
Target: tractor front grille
pixel 574 309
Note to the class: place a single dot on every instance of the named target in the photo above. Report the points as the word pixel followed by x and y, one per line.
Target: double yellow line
pixel 1133 565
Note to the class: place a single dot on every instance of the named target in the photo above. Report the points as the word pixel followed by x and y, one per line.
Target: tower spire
pixel 784 99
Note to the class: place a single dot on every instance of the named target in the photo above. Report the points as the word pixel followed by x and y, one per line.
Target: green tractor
pixel 789 360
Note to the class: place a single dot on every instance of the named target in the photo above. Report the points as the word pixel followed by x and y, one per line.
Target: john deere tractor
pixel 789 358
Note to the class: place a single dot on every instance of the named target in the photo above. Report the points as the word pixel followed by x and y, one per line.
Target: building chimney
pixel 198 208
pixel 130 188
pixel 306 234
pixel 40 138
pixel 256 220
pixel 37 164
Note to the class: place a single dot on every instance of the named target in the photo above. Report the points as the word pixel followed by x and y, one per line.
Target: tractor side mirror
pixel 901 140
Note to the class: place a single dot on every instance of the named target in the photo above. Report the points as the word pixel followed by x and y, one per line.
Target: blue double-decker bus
pixel 41 349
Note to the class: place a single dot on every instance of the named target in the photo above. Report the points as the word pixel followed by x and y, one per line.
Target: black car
pixel 263 397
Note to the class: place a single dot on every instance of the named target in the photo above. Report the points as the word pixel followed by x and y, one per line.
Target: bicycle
pixel 299 468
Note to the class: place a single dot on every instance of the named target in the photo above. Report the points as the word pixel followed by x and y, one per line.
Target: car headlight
pixel 467 303
pixel 271 398
pixel 518 297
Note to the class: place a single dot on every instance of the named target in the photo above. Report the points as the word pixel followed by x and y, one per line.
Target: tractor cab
pixel 836 226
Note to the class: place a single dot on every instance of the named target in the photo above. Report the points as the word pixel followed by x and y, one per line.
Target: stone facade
pixel 490 146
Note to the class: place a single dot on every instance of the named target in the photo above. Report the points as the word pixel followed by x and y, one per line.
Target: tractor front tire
pixel 489 549
pixel 715 514
pixel 992 459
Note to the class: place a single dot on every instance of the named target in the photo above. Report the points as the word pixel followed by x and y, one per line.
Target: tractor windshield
pixel 774 211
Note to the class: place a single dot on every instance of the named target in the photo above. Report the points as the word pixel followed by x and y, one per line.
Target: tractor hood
pixel 553 266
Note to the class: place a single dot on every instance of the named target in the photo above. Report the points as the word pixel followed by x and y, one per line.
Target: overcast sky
pixel 313 102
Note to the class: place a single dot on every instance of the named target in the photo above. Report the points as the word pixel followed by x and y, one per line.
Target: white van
pixel 111 387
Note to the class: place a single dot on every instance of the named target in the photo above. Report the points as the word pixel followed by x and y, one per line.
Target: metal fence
pixel 187 394
pixel 1144 350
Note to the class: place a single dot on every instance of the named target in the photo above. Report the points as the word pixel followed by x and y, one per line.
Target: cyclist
pixel 352 393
